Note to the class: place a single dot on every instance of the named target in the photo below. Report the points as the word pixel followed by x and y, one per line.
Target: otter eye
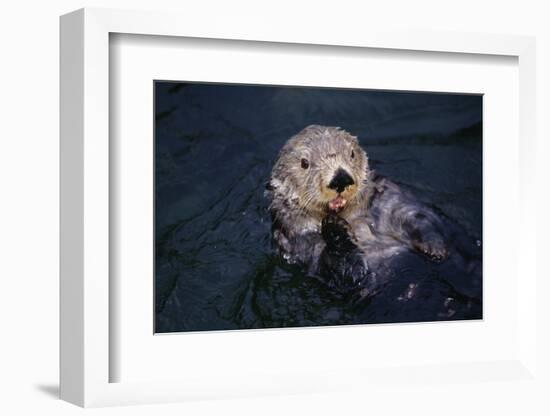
pixel 305 163
pixel 352 154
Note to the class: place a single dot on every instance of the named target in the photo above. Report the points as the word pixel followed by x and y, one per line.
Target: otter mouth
pixel 337 204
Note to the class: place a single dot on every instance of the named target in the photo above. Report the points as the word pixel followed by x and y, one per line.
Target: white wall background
pixel 29 184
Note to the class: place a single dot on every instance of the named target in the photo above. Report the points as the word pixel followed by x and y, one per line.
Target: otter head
pixel 319 170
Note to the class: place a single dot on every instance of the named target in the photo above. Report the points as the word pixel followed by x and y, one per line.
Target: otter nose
pixel 340 181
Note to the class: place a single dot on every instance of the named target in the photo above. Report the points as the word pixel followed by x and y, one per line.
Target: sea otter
pixel 337 217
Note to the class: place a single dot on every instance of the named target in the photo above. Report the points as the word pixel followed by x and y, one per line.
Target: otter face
pixel 320 169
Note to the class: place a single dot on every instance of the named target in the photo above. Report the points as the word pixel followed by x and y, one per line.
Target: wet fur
pixel 379 221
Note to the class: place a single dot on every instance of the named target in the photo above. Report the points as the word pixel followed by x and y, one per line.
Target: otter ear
pixel 269 186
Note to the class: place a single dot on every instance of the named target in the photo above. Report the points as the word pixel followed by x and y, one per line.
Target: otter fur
pixel 332 214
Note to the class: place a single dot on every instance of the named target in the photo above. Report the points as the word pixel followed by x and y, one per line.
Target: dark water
pixel 215 146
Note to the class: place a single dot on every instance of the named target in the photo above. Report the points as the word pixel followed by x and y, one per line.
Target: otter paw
pixel 346 273
pixel 336 233
pixel 433 246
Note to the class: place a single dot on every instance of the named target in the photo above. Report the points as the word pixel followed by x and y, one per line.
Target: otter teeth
pixel 337 204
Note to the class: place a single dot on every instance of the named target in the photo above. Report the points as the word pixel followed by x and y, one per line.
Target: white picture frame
pixel 85 212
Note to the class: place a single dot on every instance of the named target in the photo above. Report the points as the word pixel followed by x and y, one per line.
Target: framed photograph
pixel 277 212
pixel 269 214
